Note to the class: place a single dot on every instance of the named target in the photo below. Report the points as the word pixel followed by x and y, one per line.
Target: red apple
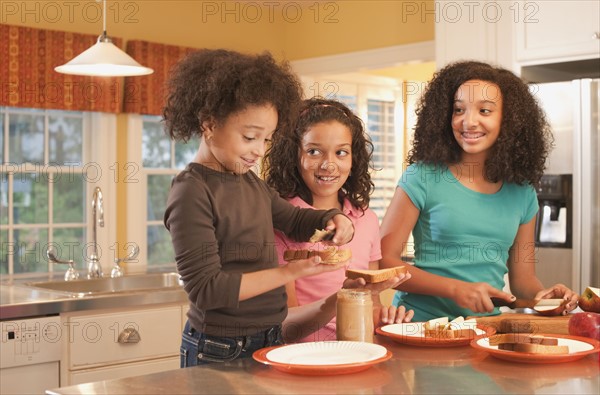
pixel 585 324
pixel 590 300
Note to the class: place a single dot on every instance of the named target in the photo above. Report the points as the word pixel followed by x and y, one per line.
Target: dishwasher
pixel 30 355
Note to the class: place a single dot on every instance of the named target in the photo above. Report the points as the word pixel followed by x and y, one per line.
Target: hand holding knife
pixel 542 306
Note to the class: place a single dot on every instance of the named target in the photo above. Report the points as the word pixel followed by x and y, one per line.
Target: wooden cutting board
pixel 527 323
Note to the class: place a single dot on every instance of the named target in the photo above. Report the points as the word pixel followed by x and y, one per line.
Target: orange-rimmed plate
pixel 413 334
pixel 579 347
pixel 323 358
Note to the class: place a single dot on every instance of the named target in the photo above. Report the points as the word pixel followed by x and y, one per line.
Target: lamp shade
pixel 104 59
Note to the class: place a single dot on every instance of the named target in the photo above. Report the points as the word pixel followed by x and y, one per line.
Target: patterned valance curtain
pixel 146 94
pixel 27 77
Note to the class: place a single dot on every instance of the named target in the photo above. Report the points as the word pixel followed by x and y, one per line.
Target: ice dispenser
pixel 554 223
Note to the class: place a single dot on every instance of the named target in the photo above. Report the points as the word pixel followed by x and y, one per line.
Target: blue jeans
pixel 198 348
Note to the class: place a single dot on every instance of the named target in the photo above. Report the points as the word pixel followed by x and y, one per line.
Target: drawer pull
pixel 129 335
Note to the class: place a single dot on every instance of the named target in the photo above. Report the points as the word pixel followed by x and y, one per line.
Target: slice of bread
pixel 329 256
pixel 546 341
pixel 376 276
pixel 510 338
pixel 450 333
pixel 526 338
pixel 534 348
pixel 321 234
pixel 436 323
pixel 457 328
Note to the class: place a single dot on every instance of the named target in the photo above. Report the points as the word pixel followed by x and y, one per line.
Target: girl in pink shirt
pixel 324 163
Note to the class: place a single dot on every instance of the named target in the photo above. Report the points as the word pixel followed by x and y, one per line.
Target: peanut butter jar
pixel 354 320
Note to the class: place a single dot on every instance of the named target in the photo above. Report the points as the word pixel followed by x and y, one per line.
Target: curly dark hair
pixel 215 83
pixel 519 154
pixel 281 162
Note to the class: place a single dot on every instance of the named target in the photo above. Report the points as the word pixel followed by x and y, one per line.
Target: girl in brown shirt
pixel 221 216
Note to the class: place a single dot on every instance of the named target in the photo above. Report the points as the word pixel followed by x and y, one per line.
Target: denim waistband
pixel 268 337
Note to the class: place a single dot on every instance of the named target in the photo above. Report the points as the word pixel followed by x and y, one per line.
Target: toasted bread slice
pixel 376 276
pixel 329 256
pixel 505 338
pixel 534 348
pixel 513 338
pixel 543 340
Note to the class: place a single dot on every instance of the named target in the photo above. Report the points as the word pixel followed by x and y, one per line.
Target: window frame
pixel 137 196
pixel 99 141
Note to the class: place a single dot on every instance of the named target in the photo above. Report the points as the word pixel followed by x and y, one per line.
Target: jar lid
pixel 354 293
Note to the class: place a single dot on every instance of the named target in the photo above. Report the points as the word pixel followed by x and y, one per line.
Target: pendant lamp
pixel 104 59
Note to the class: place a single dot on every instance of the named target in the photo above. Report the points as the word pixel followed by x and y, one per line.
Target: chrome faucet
pixel 71 274
pixel 94 267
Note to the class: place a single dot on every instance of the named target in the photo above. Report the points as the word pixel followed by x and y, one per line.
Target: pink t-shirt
pixel 365 246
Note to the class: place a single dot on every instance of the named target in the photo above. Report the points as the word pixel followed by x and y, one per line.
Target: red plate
pixel 411 333
pixel 316 370
pixel 579 347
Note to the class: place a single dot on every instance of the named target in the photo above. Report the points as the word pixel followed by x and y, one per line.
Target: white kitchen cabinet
pixel 18 380
pixel 556 31
pixel 518 33
pixel 124 370
pixel 474 30
pixel 119 343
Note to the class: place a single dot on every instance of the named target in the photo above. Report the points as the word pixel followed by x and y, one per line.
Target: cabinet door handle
pixel 596 35
pixel 129 335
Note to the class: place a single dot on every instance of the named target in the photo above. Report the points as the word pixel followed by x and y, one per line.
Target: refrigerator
pixel 568 226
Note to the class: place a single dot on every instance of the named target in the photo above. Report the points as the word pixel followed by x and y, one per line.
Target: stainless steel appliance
pixel 572 109
pixel 554 225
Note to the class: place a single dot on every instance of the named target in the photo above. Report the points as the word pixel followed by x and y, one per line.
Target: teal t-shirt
pixel 460 233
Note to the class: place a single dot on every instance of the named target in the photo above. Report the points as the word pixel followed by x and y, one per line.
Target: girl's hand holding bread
pixel 309 267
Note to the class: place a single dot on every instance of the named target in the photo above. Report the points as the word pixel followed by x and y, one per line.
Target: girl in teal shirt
pixel 480 144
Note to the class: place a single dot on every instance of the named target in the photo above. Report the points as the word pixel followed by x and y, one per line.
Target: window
pixel 161 159
pixel 380 125
pixel 46 178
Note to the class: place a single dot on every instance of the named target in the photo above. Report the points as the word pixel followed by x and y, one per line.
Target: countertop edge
pixel 69 304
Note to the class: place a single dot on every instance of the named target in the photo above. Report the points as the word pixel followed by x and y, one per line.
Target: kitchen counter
pixel 412 370
pixel 20 301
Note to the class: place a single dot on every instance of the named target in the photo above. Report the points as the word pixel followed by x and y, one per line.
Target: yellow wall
pixel 349 26
pixel 291 29
pixel 408 72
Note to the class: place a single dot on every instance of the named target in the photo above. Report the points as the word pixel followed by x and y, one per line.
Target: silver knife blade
pixel 527 303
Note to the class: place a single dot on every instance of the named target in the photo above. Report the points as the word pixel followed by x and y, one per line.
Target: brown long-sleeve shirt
pixel 221 225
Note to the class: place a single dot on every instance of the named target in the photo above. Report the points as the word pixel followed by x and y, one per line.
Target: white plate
pixel 326 353
pixel 579 347
pixel 414 329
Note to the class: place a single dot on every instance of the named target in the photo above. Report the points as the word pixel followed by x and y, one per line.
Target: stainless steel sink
pixel 103 286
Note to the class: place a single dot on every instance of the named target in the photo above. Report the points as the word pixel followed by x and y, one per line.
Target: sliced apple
pixel 590 300
pixel 547 308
